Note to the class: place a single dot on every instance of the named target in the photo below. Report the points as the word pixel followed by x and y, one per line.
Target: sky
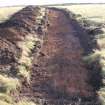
pixel 43 2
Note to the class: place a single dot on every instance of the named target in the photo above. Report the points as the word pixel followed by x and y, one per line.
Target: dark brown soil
pixel 59 76
pixel 14 30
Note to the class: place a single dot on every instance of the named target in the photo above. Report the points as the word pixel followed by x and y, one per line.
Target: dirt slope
pixel 18 40
pixel 60 76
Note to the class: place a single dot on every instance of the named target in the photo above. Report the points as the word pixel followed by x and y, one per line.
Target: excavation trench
pixel 60 75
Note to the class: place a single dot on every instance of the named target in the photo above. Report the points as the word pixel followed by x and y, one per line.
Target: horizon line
pixel 64 4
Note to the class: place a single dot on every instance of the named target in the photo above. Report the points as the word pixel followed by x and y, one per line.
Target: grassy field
pixel 92 12
pixel 6 12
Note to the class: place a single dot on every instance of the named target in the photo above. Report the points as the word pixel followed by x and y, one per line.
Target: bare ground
pixel 58 76
pixel 61 76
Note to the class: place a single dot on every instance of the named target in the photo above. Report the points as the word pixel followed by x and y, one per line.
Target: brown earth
pixel 20 24
pixel 59 76
pixel 14 30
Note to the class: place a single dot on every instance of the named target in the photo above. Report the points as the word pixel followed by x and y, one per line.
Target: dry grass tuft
pixel 8 84
pixel 25 102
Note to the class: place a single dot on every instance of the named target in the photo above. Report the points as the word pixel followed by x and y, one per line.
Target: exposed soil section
pixel 18 40
pixel 60 74
pixel 20 25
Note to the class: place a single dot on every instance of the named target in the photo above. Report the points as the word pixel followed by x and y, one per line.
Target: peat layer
pixel 58 74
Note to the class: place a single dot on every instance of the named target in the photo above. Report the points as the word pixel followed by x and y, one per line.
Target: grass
pixel 6 98
pixel 101 42
pixel 90 12
pixel 25 61
pixel 25 102
pixel 6 12
pixel 8 84
pixel 97 55
pixel 4 103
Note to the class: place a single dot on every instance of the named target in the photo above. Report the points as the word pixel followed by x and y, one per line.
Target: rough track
pixel 61 76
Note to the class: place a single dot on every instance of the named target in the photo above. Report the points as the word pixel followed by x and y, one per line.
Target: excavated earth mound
pixel 58 74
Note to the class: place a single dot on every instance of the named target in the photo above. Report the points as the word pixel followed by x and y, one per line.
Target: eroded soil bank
pixel 60 76
pixel 58 73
